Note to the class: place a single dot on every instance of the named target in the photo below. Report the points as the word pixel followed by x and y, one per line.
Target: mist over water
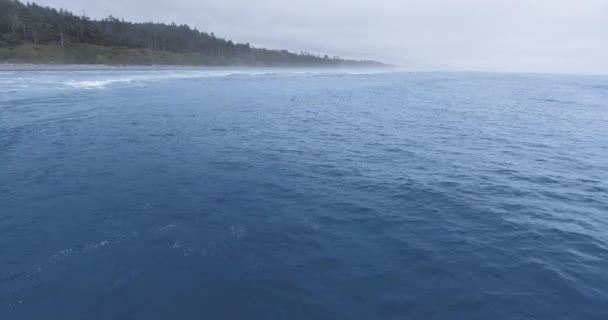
pixel 302 194
pixel 559 36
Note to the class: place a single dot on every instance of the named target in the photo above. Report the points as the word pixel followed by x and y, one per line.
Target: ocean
pixel 302 194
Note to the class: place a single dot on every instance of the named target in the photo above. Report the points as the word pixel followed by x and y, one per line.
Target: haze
pixel 565 36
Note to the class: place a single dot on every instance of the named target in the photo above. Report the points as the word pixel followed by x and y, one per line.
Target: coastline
pixel 15 66
pixel 85 57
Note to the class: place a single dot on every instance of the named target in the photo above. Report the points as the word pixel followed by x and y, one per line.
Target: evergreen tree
pixel 30 23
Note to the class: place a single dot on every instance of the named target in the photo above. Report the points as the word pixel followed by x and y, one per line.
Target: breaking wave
pixel 95 79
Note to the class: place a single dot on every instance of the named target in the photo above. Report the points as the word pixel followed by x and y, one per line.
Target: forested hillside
pixel 32 33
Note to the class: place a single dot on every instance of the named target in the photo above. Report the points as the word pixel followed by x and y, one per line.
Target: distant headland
pixel 30 33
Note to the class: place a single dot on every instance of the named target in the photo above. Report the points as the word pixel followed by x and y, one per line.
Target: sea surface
pixel 302 194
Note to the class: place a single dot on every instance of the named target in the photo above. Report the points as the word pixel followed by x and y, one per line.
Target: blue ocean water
pixel 269 194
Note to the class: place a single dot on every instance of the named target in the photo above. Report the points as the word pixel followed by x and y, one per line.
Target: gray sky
pixel 483 35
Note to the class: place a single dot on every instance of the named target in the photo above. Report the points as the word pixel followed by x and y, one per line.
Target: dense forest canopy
pixel 29 23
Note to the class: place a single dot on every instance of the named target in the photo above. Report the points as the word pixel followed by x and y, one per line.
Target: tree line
pixel 30 23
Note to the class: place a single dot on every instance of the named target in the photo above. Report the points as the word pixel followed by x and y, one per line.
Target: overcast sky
pixel 483 35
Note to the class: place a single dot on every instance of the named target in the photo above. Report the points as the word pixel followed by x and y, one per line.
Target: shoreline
pixel 28 56
pixel 13 66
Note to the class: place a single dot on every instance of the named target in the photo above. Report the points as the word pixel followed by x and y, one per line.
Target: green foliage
pixel 31 33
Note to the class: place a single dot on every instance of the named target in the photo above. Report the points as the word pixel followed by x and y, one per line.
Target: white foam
pixel 95 245
pixel 95 79
pixel 103 83
pixel 61 255
pixel 91 84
